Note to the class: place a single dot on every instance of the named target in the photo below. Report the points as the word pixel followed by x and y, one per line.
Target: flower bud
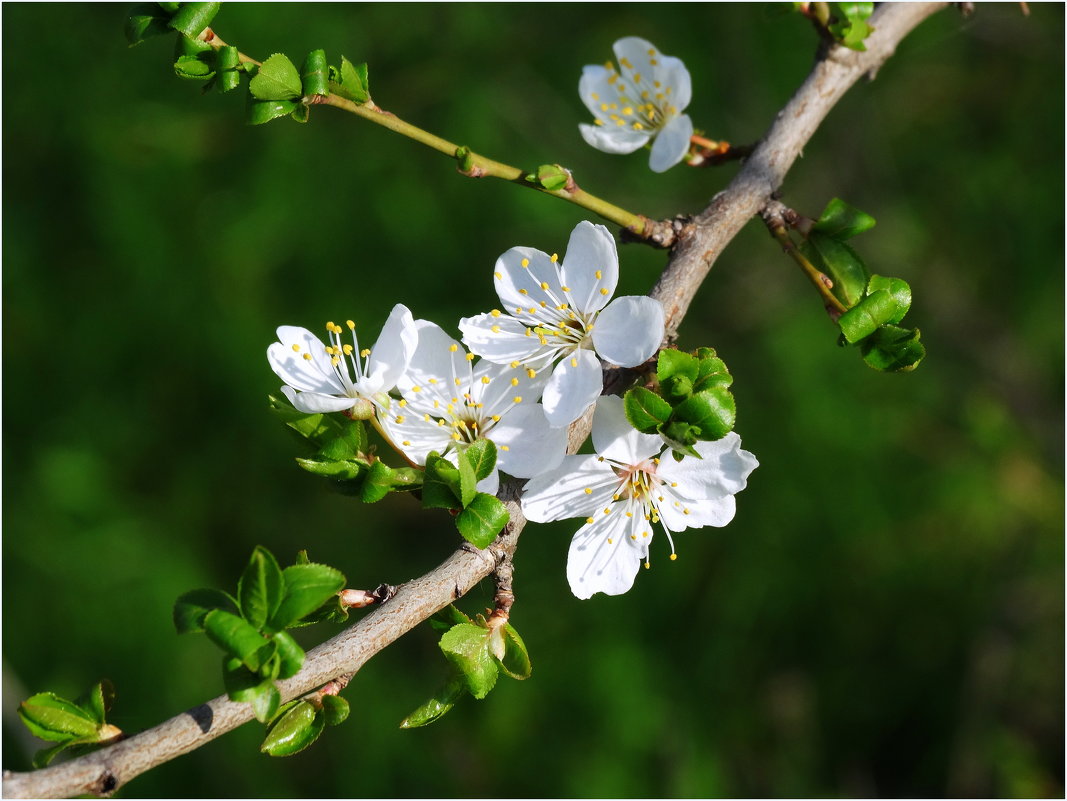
pixel 356 599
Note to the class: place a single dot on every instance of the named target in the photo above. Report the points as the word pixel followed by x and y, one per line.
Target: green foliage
pixel 692 401
pixel 298 724
pixel 477 651
pixel 551 177
pixel 479 516
pixel 79 725
pixel 251 629
pixel 848 23
pixel 192 18
pixel 350 81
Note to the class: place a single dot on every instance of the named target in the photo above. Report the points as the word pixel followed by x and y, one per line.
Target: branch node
pixel 383 592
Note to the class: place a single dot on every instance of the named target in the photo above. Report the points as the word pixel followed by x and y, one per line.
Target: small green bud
pixel 362 409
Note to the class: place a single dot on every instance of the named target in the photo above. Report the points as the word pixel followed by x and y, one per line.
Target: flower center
pixel 343 355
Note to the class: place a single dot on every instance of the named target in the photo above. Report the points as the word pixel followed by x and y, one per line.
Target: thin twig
pixel 697 245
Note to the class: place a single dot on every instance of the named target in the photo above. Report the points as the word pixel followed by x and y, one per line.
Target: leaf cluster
pixel 251 628
pixel 477 651
pixel 298 723
pixel 690 400
pixel 875 304
pixel 844 23
pixel 479 516
pixel 80 725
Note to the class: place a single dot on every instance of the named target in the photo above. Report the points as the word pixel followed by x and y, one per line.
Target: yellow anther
pixel 432 380
pixel 505 448
pixel 470 357
pixel 513 365
pixel 517 399
pixel 544 305
pixel 655 460
pixel 594 96
pixel 611 541
pixel 416 389
pixel 518 310
pixel 598 121
pixel 555 257
pixel 656 84
pixel 651 52
pixel 544 285
pixel 531 373
pixel 453 348
pixel 607 510
pixel 598 275
pixel 498 275
pixel 334 360
pixel 668 91
pixel 495 312
pixel 589 520
pixel 532 309
pixel 523 292
pixel 456 436
pixel 529 333
pixel 685 511
pixel 629 514
pixel 485 379
pixel 400 418
pixel 674 483
pixel 426 417
pixel 637 77
pixel 351 325
pixel 638 126
pixel 628 110
pixel 296 348
pixel 406 442
pixel 574 362
pixel 364 353
pixel 458 381
pixel 603 291
pixel 654 62
pixel 674 556
pixel 307 356
pixel 645 534
pixel 647 565
pixel 329 350
pixel 495 329
pixel 612 78
pixel 625 62
pixel 603 106
pixel 588 490
pixel 348 350
pixel 525 262
pixel 401 403
pixel 615 497
pixel 330 326
pixel 633 536
pixel 514 382
pixel 496 418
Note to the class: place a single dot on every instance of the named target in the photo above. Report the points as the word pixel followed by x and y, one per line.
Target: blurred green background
pixel 884 617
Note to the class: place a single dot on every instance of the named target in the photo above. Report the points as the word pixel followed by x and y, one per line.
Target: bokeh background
pixel 884 617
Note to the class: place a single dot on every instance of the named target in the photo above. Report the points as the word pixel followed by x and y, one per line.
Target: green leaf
pixel 332 611
pixel 190 608
pixel 145 20
pixel 482 456
pixel 712 411
pixel 673 363
pixel 893 349
pixel 265 702
pixel 437 705
pixel 645 410
pixel 314 74
pixel 467 479
pixel 378 483
pixel 319 429
pixel 841 264
pixel 482 520
pixel 849 24
pixel 550 176
pixel 260 588
pixel 466 646
pixel 301 113
pixel 192 18
pixel 900 291
pixel 335 709
pixel 97 701
pixel 242 685
pixel 841 221
pixel 307 587
pixel 193 68
pixel 868 315
pixel 681 436
pixel 56 719
pixel 353 82
pixel 340 470
pixel 267 110
pixel 293 730
pixel 43 757
pixel 516 661
pixel 440 483
pixel 290 655
pixel 277 79
pixel 227 64
pixel 237 637
pixel 711 371
pixel 444 619
pixel 349 441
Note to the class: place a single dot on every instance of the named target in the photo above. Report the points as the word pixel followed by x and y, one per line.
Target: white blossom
pixel 449 402
pixel 560 313
pixel 639 102
pixel 630 484
pixel 339 376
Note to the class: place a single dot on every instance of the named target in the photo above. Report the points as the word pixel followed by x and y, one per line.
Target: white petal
pixel 436 366
pixel 635 51
pixel 561 493
pixel 526 445
pixel 590 267
pixel 310 375
pixel 576 383
pixel 520 287
pixel 496 387
pixel 672 143
pixel 392 352
pixel 612 138
pixel 671 72
pixel 414 435
pixel 314 403
pixel 490 484
pixel 629 330
pixel 594 89
pixel 614 438
pixel 501 339
pixel 603 558
pixel 723 470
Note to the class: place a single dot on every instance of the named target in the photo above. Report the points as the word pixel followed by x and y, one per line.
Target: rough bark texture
pixel 695 246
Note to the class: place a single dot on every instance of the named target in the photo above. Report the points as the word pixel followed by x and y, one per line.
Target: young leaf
pixel 194 68
pixel 378 483
pixel 293 730
pixel 267 110
pixel 711 372
pixel 192 18
pixel 301 113
pixel 467 478
pixel 190 608
pixel 444 619
pixel 482 520
pixel 242 685
pixel 440 484
pixel 277 79
pixel 841 264
pixel 353 83
pixel 56 719
pixel 260 588
pixel 681 436
pixel 467 647
pixel 236 637
pixel 97 701
pixel 265 702
pixel 227 62
pixel 516 660
pixel 899 290
pixel 437 705
pixel 290 655
pixel 673 363
pixel 482 456
pixel 865 317
pixel 339 470
pixel 307 587
pixel 712 411
pixel 841 221
pixel 893 349
pixel 145 20
pixel 314 74
pixel 645 410
pixel 349 441
pixel 43 757
pixel 335 709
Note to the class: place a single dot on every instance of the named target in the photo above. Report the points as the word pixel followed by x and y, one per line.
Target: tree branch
pixel 696 245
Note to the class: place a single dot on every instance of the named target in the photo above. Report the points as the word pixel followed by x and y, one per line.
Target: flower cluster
pixel 540 369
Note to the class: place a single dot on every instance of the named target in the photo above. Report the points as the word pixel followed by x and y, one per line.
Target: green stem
pixel 478 166
pixel 821 281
